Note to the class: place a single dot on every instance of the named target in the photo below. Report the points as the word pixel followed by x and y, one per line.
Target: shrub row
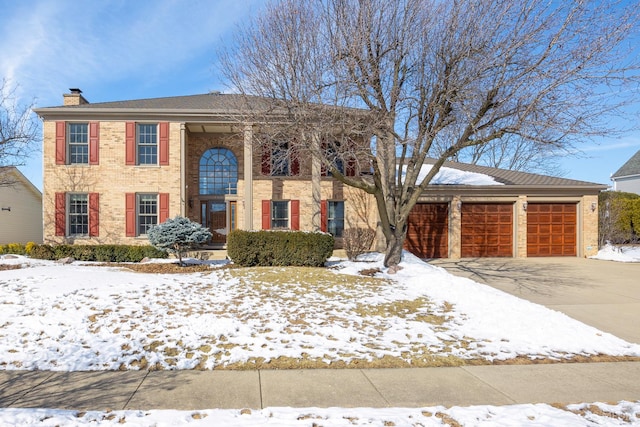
pixel 279 248
pixel 102 253
pixel 17 248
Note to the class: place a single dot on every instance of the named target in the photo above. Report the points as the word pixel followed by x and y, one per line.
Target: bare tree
pixel 433 78
pixel 18 131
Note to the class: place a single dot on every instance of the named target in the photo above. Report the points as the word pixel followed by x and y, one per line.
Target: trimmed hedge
pixel 279 248
pixel 102 253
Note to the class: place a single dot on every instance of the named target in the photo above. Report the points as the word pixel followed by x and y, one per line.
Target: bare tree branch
pixel 18 131
pixel 491 80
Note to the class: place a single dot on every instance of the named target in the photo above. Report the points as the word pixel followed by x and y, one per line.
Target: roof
pixel 18 177
pixel 517 182
pixel 203 104
pixel 631 167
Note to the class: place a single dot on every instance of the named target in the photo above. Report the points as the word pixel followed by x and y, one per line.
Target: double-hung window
pixel 147 212
pixel 279 214
pixel 78 215
pixel 280 159
pixel 335 218
pixel 147 143
pixel 78 143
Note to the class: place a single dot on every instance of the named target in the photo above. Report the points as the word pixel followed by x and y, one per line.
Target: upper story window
pixel 218 172
pixel 78 143
pixel 147 144
pixel 280 159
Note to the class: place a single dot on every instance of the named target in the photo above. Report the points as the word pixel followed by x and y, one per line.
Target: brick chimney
pixel 74 97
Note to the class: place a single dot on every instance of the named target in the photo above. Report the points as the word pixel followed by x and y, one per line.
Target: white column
pixel 316 187
pixel 183 171
pixel 248 177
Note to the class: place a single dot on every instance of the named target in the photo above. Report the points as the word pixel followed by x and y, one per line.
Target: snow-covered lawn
pixel 598 414
pixel 619 253
pixel 89 317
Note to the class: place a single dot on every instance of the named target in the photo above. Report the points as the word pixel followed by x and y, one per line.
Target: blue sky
pixel 118 50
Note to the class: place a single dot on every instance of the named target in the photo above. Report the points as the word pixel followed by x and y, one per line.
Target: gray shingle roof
pixel 631 167
pixel 510 177
pixel 208 101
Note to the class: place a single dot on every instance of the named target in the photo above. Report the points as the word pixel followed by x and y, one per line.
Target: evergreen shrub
pixel 279 248
pixel 101 253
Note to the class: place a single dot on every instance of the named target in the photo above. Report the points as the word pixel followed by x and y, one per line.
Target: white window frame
pixel 70 143
pixel 70 215
pixel 330 218
pixel 140 144
pixel 274 219
pixel 139 215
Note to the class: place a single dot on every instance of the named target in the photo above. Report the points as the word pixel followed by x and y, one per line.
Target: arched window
pixel 218 172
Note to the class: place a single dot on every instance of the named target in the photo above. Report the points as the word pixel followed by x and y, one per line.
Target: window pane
pixel 335 218
pixel 78 143
pixel 78 214
pixel 147 144
pixel 280 214
pixel 280 159
pixel 218 172
pixel 147 212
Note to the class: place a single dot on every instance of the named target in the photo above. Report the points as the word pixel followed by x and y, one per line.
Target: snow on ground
pixel 619 253
pixel 87 317
pixel 598 414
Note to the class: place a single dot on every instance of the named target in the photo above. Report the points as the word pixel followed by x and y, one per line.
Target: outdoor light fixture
pixel 7 209
pixel 524 206
pixel 594 206
pixel 459 205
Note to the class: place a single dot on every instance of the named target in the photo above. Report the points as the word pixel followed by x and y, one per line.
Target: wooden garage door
pixel 551 229
pixel 486 230
pixel 428 230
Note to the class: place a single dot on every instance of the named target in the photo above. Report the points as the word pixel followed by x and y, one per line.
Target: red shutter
pixel 94 142
pixel 266 160
pixel 295 214
pixel 351 167
pixel 130 143
pixel 164 143
pixel 61 144
pixel 164 207
pixel 94 214
pixel 130 214
pixel 61 214
pixel 266 214
pixel 323 215
pixel 295 162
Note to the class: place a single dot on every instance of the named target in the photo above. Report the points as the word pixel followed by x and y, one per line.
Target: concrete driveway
pixel 603 294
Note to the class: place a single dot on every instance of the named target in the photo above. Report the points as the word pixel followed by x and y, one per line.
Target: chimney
pixel 74 97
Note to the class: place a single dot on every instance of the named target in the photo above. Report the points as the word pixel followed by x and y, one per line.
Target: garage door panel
pixel 486 230
pixel 428 230
pixel 551 229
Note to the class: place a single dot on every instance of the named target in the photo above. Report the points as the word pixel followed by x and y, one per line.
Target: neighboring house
pixel 627 178
pixel 20 208
pixel 112 170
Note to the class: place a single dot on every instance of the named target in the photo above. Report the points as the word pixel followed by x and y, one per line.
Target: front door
pixel 219 217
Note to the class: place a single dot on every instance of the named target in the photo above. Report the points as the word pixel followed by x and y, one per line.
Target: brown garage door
pixel 486 230
pixel 428 230
pixel 551 229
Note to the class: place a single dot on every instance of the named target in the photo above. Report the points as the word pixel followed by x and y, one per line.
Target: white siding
pixel 24 222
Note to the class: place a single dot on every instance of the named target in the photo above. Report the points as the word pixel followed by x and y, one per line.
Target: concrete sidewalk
pixel 191 390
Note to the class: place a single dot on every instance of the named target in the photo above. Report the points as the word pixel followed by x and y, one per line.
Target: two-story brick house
pixel 113 169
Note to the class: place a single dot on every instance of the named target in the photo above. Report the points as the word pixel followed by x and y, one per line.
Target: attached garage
pixel 552 229
pixel 428 230
pixel 461 214
pixel 486 230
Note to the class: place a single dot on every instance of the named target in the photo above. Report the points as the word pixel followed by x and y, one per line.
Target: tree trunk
pixel 393 253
